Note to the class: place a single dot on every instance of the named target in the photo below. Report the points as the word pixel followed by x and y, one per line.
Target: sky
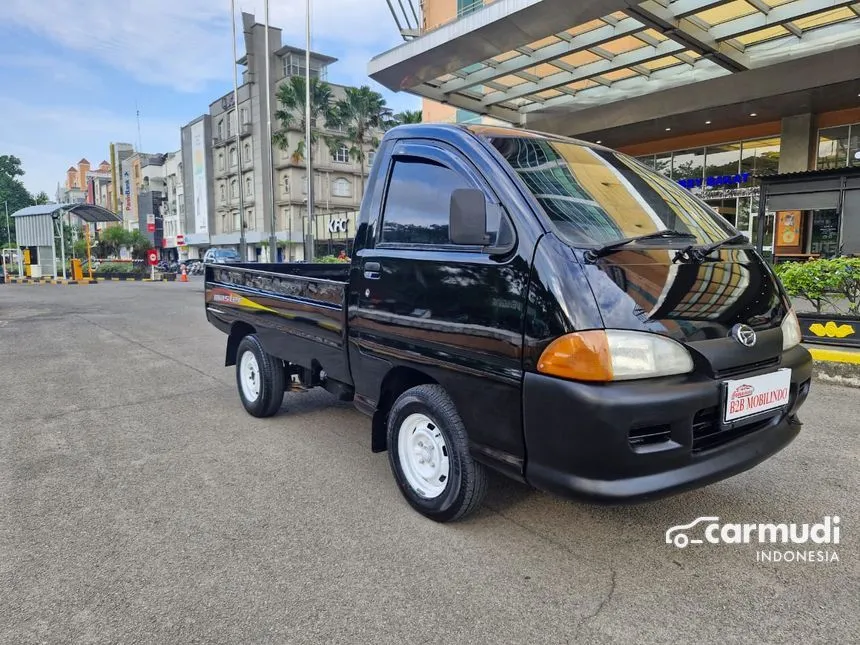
pixel 74 74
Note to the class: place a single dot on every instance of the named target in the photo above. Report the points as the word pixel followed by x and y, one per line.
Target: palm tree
pixel 291 113
pixel 408 116
pixel 363 113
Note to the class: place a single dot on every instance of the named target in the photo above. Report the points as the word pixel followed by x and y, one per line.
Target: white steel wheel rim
pixel 249 376
pixel 423 455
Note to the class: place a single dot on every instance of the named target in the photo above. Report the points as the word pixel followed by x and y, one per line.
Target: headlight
pixel 790 326
pixel 614 355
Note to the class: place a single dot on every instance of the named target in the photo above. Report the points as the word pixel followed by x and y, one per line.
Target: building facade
pixel 173 209
pixel 727 172
pixel 140 173
pixel 719 95
pixel 197 216
pixel 242 173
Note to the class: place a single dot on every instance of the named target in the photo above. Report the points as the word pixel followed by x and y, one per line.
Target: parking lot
pixel 140 503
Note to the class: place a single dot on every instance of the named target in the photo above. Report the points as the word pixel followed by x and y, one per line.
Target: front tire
pixel 428 450
pixel 259 378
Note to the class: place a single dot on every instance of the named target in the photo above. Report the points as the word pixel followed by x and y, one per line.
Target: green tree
pixel 408 116
pixel 41 198
pixel 363 113
pixel 13 195
pixel 112 238
pixel 139 244
pixel 79 249
pixel 10 165
pixel 291 114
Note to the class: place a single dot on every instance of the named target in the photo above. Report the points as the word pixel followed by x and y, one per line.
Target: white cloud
pixel 48 139
pixel 52 69
pixel 174 42
pixel 185 44
pixel 179 45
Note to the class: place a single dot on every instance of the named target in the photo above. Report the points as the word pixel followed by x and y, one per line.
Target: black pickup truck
pixel 545 307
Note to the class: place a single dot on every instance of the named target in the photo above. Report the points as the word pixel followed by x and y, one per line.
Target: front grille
pixel 649 435
pixel 708 434
pixel 749 367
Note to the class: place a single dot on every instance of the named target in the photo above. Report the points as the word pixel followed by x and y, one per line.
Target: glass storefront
pixel 724 176
pixel 839 147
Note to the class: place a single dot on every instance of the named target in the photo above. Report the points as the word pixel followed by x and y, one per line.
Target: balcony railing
pixel 469 7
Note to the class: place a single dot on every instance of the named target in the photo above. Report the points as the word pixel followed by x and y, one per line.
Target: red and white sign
pixel 152 257
pixel 150 228
pixel 180 240
pixel 757 394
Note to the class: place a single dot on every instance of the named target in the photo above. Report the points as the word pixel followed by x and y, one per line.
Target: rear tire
pixel 259 378
pixel 428 451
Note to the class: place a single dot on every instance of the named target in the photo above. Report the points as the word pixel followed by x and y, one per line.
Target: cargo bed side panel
pixel 298 319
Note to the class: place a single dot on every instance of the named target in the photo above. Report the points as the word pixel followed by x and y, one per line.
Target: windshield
pixel 597 196
pixel 226 254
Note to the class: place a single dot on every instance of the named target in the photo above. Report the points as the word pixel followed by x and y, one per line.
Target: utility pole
pixel 243 247
pixel 139 140
pixel 113 179
pixel 309 236
pixel 9 242
pixel 270 194
pixel 8 239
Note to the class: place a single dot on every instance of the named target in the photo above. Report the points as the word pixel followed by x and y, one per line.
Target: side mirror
pixel 467 222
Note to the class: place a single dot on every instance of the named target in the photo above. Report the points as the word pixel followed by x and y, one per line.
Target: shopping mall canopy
pixel 537 62
pixel 87 212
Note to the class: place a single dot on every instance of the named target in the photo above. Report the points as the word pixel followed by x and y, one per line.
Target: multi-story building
pixel 754 106
pixel 99 186
pixel 151 198
pixel 74 190
pixel 119 153
pixel 197 215
pixel 141 173
pixel 173 209
pixel 242 170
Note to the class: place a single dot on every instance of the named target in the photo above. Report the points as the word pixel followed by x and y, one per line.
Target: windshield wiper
pixel 699 254
pixel 591 255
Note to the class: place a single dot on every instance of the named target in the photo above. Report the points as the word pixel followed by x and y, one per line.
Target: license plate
pixel 757 394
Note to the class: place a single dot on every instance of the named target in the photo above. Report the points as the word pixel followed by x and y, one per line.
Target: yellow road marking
pixel 835 356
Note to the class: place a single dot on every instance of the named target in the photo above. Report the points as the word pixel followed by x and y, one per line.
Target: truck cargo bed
pixel 296 309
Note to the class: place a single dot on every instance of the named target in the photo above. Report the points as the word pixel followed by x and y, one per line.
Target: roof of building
pixel 289 49
pixel 827 173
pixel 87 212
pixel 84 160
pixel 72 169
pixel 532 62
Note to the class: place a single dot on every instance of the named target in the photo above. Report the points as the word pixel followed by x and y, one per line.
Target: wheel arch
pixel 396 382
pixel 238 331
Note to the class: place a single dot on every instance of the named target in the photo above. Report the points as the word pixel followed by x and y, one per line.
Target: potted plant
pixel 831 289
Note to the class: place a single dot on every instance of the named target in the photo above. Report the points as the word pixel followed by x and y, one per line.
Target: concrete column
pixel 797 145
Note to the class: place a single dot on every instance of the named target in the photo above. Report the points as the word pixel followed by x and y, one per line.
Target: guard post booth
pixel 38 235
pixel 810 214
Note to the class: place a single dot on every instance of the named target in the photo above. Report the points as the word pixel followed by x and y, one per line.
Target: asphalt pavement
pixel 140 503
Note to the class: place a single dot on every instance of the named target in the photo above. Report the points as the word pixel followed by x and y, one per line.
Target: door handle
pixel 372 270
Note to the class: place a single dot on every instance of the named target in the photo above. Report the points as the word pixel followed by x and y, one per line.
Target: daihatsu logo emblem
pixel 744 334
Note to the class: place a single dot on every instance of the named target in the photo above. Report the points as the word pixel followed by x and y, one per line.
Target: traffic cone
pixel 184 276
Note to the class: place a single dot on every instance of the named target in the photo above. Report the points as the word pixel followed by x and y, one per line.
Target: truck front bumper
pixel 586 440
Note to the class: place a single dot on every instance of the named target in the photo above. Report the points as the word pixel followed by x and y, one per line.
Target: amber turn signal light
pixel 581 356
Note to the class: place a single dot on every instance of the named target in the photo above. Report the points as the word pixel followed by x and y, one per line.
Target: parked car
pixel 545 307
pixel 221 256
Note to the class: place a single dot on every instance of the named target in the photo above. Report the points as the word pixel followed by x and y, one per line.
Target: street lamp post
pixel 8 236
pixel 270 196
pixel 243 248
pixel 309 237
